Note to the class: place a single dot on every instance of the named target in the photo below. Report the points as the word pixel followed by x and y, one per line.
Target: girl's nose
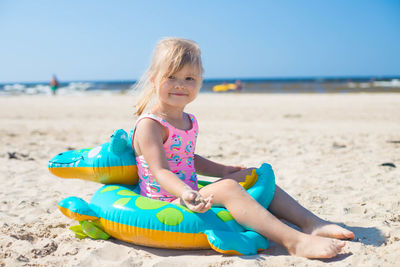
pixel 180 85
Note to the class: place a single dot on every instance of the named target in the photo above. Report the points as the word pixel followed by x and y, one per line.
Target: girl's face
pixel 179 89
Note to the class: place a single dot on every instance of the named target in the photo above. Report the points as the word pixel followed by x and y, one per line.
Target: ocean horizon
pixel 250 85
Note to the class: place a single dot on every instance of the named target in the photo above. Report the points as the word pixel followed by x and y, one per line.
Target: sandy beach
pixel 337 154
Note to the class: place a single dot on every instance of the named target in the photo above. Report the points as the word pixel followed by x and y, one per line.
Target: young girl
pixel 164 142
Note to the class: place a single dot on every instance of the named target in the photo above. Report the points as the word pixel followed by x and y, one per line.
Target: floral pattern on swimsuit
pixel 179 150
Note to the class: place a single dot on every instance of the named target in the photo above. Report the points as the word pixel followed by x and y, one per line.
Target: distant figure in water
pixel 238 85
pixel 54 84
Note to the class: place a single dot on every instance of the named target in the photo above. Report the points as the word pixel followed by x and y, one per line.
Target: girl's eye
pixel 171 77
pixel 189 79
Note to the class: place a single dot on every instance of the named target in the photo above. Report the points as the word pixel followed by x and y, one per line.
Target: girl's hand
pixel 195 202
pixel 232 169
pixel 239 175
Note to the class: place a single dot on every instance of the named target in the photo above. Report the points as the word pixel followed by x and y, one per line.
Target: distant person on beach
pixel 164 141
pixel 238 86
pixel 54 84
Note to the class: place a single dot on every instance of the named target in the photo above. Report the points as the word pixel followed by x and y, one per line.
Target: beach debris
pixel 72 253
pixel 388 164
pixel 38 132
pixel 12 155
pixel 337 145
pixel 12 135
pixel 45 251
pixel 292 116
pixel 22 258
pixel 19 156
pixel 23 235
pixel 394 141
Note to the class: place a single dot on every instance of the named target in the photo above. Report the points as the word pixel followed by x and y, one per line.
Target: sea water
pixel 288 85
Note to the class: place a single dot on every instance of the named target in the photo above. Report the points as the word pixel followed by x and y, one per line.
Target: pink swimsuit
pixel 179 150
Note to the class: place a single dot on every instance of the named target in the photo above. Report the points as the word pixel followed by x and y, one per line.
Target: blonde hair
pixel 170 56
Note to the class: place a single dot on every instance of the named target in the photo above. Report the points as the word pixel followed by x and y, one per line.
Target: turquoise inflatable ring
pixel 121 212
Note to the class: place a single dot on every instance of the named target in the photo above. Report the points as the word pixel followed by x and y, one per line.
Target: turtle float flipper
pixel 92 229
pixel 236 243
pixel 78 209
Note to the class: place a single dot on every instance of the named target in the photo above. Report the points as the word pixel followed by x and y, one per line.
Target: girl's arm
pixel 149 138
pixel 207 167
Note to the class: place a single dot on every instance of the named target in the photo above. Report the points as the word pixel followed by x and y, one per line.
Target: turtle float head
pixel 110 163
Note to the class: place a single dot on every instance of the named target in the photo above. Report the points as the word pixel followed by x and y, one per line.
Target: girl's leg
pixel 285 207
pixel 247 211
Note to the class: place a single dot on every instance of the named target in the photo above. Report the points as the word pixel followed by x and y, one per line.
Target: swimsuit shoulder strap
pixel 154 117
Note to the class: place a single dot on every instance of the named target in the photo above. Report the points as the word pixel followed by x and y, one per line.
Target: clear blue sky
pixel 112 40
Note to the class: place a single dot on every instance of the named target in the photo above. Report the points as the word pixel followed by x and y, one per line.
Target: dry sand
pixel 327 152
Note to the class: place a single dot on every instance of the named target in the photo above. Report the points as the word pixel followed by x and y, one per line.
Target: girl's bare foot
pixel 310 246
pixel 328 229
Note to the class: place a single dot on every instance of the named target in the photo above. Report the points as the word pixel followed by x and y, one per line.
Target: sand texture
pixel 337 154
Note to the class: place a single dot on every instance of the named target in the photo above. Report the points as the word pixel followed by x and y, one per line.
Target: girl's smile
pixel 178 94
